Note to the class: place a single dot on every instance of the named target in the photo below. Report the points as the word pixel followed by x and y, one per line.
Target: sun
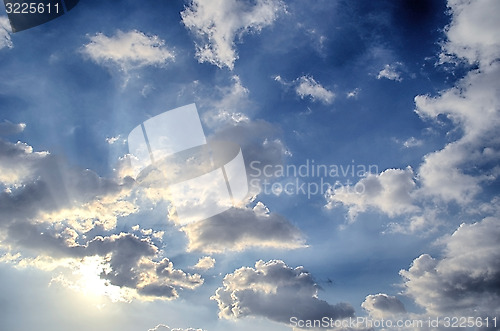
pixel 86 279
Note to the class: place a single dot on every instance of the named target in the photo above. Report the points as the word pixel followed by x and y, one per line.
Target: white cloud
pixel 464 281
pixel 353 94
pixel 128 50
pixel 458 171
pixel 412 142
pixel 391 72
pixel 5 31
pixel 473 32
pixel 275 291
pixel 218 23
pixel 391 192
pixel 112 140
pixel 230 106
pixel 205 263
pixel 307 87
pixel 383 306
pixel 444 173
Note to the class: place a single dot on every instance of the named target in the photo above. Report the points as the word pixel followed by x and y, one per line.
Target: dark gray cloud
pixel 383 305
pixel 49 208
pixel 465 281
pixel 40 182
pixel 241 228
pixel 275 291
pixel 132 261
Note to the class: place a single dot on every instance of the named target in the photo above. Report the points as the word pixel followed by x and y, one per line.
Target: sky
pixel 369 134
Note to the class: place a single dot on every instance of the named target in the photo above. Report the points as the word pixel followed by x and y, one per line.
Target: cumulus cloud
pixel 5 31
pixel 391 72
pixel 383 306
pixel 219 23
pixel 241 228
pixel 308 87
pixel 128 50
pixel 132 265
pixel 445 172
pixel 391 192
pixel 473 32
pixel 275 291
pixel 465 280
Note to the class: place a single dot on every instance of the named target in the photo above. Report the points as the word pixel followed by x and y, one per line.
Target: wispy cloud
pixel 219 23
pixel 353 94
pixel 308 87
pixel 7 128
pixel 412 142
pixel 112 140
pixel 391 72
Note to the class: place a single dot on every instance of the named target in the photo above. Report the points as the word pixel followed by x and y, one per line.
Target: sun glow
pixel 86 279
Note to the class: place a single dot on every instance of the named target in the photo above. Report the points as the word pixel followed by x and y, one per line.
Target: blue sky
pixel 408 89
